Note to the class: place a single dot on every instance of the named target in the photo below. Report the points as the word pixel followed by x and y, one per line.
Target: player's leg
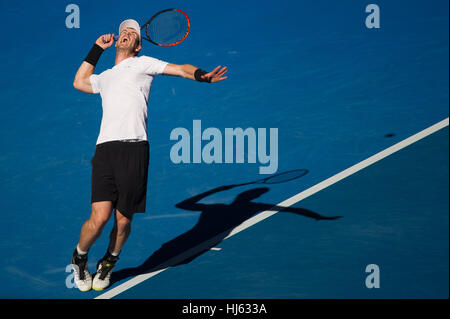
pixel 119 235
pixel 103 199
pixel 91 230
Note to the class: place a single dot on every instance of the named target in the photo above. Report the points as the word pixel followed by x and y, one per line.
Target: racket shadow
pixel 215 223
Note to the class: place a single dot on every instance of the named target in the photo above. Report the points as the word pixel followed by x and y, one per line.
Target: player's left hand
pixel 216 75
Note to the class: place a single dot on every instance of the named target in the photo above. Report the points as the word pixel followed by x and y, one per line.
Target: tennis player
pixel 120 162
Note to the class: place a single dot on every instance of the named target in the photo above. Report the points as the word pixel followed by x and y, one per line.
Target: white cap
pixel 130 23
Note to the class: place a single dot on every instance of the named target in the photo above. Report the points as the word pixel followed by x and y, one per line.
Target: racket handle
pixel 115 38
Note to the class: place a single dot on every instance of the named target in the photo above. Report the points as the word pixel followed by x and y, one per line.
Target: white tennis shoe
pixel 82 277
pixel 102 278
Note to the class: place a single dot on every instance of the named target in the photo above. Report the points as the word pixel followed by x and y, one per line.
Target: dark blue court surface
pixel 292 256
pixel 337 92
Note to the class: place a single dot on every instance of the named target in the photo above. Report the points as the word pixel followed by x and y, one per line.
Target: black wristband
pixel 94 54
pixel 198 75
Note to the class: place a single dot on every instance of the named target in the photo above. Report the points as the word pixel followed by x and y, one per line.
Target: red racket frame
pixel 171 44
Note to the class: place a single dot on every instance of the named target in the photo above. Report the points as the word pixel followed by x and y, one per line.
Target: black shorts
pixel 119 175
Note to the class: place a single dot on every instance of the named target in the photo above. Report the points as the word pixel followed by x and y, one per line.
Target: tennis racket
pixel 279 178
pixel 166 28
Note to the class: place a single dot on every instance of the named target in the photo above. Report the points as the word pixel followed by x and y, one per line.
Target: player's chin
pixel 126 46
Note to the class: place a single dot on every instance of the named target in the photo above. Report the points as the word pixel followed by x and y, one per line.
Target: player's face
pixel 128 40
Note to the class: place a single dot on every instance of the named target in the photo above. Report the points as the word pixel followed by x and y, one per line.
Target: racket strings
pixel 167 28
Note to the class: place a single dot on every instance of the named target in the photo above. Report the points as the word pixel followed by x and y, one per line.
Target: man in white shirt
pixel 120 162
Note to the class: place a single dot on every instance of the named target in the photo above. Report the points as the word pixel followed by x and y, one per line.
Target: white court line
pixel 288 202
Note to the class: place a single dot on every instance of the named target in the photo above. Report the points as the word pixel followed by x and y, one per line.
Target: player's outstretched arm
pixel 86 69
pixel 191 72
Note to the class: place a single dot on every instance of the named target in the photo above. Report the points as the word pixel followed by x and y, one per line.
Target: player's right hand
pixel 105 41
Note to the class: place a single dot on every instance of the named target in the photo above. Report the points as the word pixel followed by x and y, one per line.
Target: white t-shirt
pixel 125 90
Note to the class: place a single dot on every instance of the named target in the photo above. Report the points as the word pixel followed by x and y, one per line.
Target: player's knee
pixel 99 218
pixel 123 222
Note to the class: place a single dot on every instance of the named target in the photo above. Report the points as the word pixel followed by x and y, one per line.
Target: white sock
pixel 80 252
pixel 114 253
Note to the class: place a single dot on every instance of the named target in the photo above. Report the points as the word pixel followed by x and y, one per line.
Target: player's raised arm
pixel 86 69
pixel 191 72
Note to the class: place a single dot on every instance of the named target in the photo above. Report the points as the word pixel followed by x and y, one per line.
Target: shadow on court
pixel 215 223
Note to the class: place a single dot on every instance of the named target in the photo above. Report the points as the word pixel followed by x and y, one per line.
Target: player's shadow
pixel 215 224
